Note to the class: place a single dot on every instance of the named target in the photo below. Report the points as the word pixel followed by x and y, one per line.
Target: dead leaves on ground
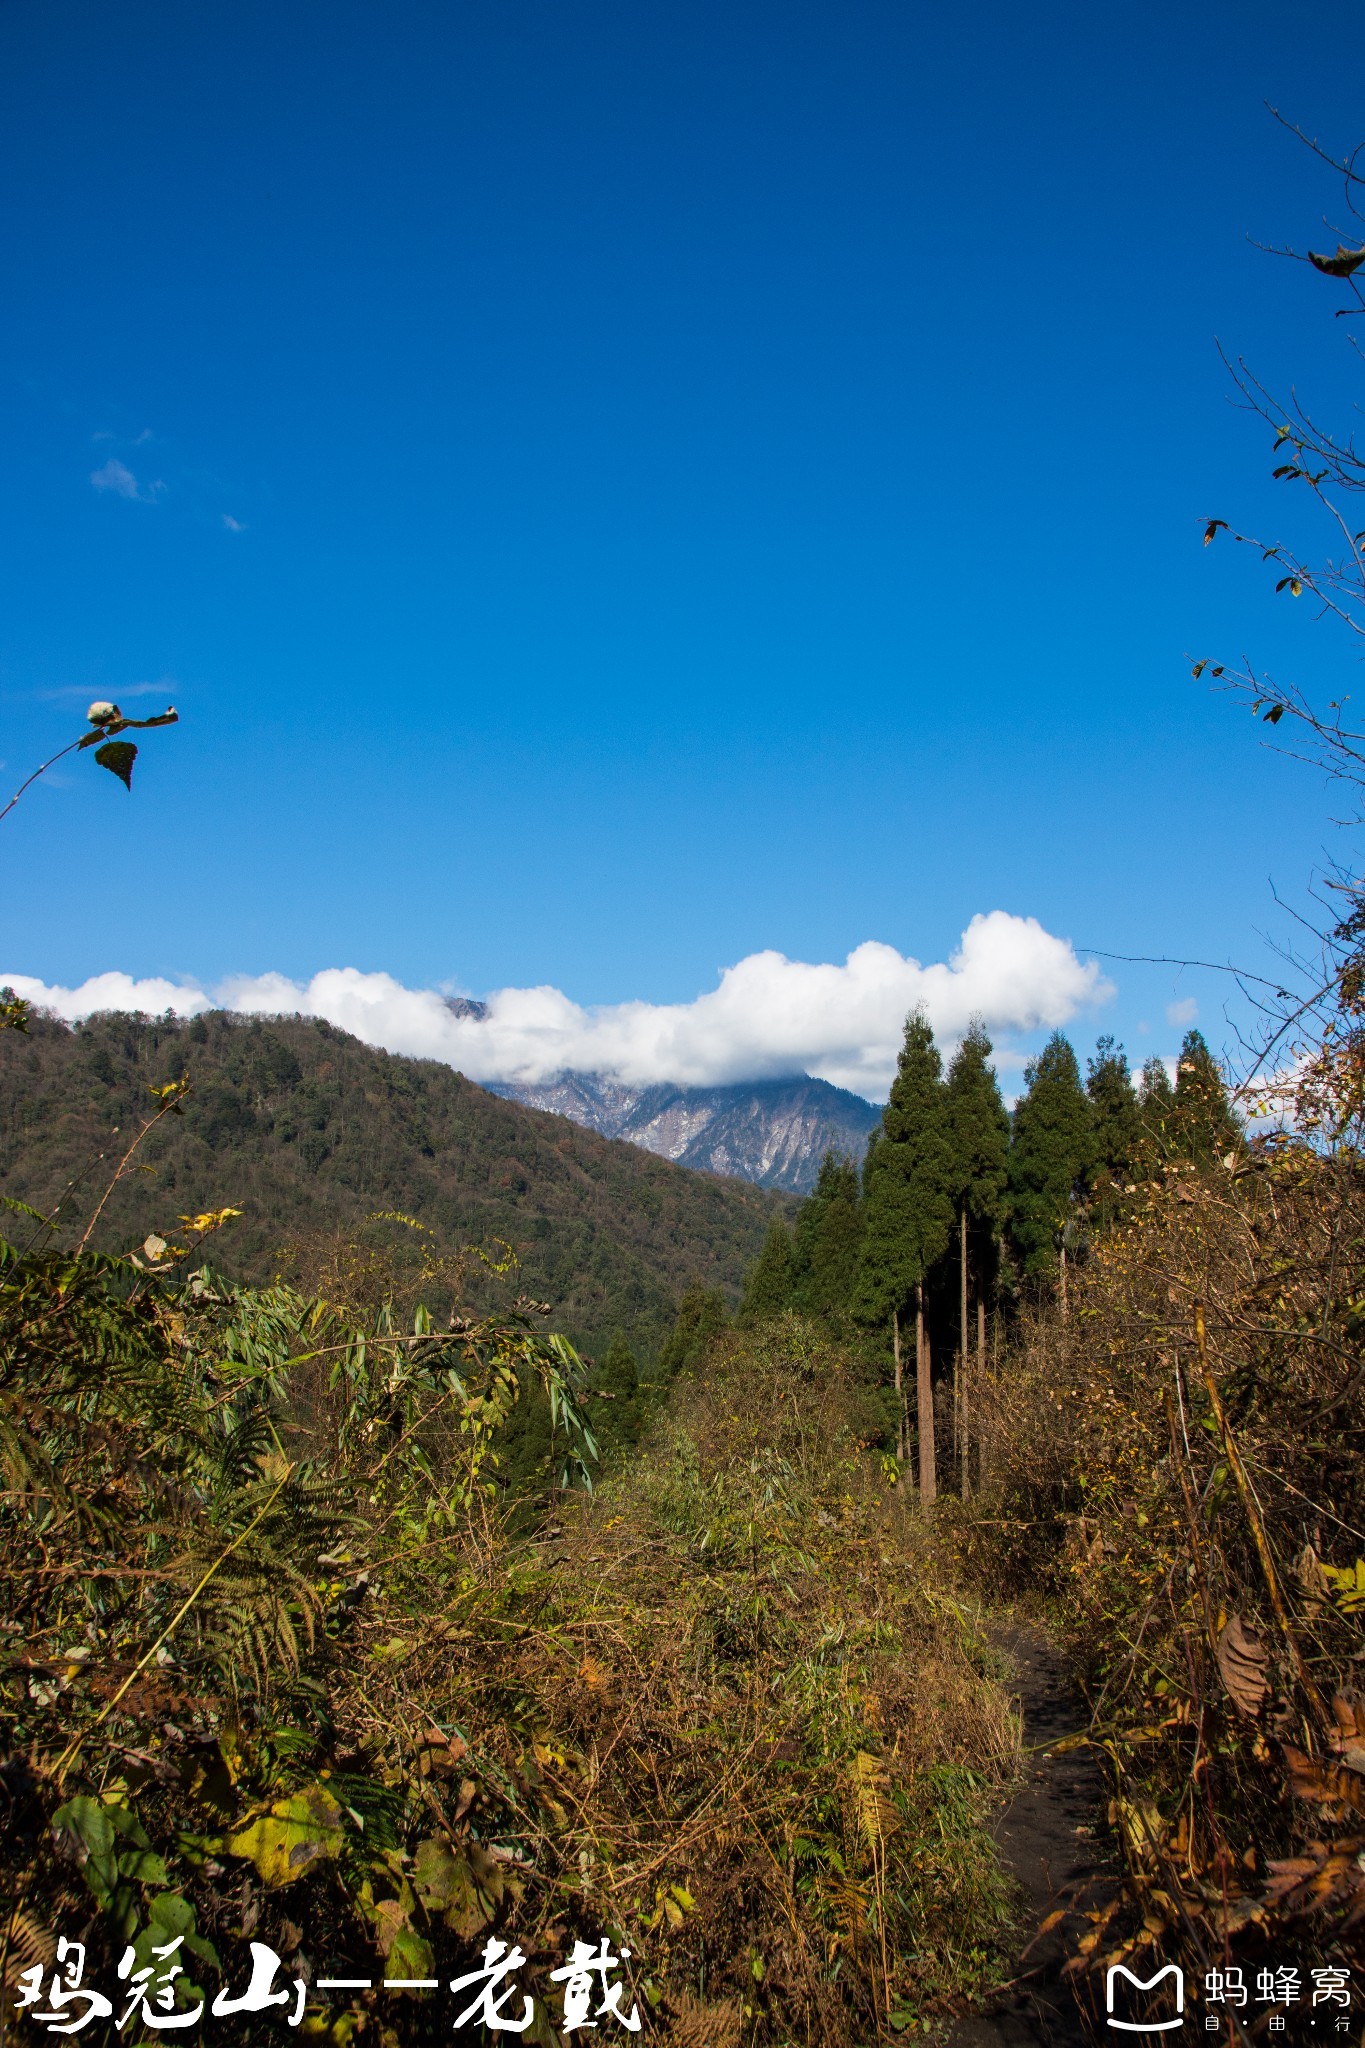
pixel 1242 1666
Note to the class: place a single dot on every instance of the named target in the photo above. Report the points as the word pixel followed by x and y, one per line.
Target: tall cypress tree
pixel 908 1217
pixel 979 1133
pixel 1050 1158
pixel 827 1236
pixel 1204 1126
pixel 1116 1122
pixel 769 1283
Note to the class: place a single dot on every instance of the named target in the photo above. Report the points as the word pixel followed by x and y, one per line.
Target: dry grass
pixel 1176 1468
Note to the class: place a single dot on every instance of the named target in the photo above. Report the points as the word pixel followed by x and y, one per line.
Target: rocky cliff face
pixel 772 1132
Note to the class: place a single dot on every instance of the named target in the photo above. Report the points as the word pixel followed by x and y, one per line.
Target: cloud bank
pixel 767 1017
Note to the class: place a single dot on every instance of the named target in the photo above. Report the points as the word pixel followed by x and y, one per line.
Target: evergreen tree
pixel 770 1284
pixel 617 1421
pixel 1204 1126
pixel 701 1316
pixel 827 1236
pixel 979 1133
pixel 618 1373
pixel 1116 1124
pixel 907 1220
pixel 1050 1159
pixel 979 1129
pixel 1156 1109
pixel 1156 1097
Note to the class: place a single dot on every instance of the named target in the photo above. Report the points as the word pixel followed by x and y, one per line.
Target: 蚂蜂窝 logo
pixel 1147 1984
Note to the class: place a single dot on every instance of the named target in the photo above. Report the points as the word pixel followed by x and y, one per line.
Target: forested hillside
pixel 312 1134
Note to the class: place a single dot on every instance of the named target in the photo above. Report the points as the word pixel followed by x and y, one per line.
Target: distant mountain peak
pixel 774 1133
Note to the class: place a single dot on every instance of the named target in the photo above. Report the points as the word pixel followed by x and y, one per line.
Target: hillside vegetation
pixel 276 1672
pixel 314 1136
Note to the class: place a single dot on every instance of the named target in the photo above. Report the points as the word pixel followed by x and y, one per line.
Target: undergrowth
pixel 1175 1471
pixel 279 1670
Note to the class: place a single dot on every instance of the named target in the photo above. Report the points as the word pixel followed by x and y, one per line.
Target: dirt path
pixel 1047 1842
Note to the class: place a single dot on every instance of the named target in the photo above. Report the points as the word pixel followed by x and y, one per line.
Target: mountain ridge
pixel 773 1133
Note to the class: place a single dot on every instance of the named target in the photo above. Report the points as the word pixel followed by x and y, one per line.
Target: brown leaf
pixel 1242 1666
pixel 1349 1709
pixel 1341 265
pixel 1326 1874
pixel 1336 1788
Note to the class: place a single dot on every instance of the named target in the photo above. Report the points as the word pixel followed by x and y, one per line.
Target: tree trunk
pixel 964 1411
pixel 901 1446
pixel 924 1387
pixel 981 1371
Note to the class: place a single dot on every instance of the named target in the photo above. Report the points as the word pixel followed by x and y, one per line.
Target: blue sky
pixel 616 489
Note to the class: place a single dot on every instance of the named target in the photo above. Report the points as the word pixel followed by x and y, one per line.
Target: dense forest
pixel 322 1142
pixel 964 1214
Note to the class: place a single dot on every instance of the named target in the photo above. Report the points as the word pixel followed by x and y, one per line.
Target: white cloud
pixel 768 1016
pixel 1183 1013
pixel 115 476
pixel 110 992
pixel 234 525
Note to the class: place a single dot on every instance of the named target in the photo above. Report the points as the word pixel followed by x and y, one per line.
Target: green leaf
pixel 110 1870
pixel 118 757
pixel 171 1916
pixel 409 1955
pixel 89 1823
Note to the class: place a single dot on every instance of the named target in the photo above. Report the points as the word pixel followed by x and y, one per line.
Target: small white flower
pixel 102 714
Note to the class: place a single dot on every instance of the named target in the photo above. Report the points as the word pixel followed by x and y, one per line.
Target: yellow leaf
pixel 1347 1584
pixel 210 1219
pixel 295 1834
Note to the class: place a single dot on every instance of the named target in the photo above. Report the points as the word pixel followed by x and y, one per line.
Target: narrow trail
pixel 1047 1837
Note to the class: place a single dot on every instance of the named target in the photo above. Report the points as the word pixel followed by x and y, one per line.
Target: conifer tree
pixel 617 1383
pixel 701 1316
pixel 770 1282
pixel 1050 1158
pixel 979 1132
pixel 1203 1124
pixel 1116 1123
pixel 907 1220
pixel 1156 1109
pixel 619 1374
pixel 827 1235
pixel 1155 1093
